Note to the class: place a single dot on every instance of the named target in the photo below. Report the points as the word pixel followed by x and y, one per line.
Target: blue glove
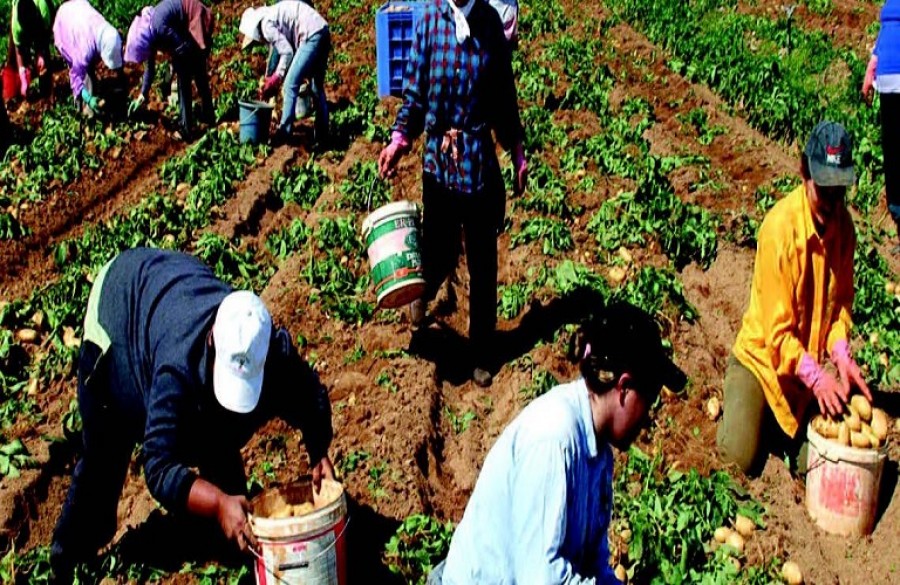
pixel 91 101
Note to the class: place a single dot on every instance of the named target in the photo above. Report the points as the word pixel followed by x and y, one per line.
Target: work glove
pixel 270 86
pixel 390 154
pixel 848 370
pixel 89 100
pixel 521 168
pixel 41 65
pixel 829 393
pixel 136 104
pixel 869 79
pixel 24 79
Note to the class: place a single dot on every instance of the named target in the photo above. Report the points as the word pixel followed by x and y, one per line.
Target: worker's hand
pixel 232 516
pixel 869 80
pixel 41 65
pixel 829 393
pixel 24 81
pixel 520 168
pixel 270 86
pixel 90 100
pixel 390 154
pixel 323 469
pixel 848 369
pixel 136 104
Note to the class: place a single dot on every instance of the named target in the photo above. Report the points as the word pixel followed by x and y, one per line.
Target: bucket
pixel 301 550
pixel 842 485
pixel 10 83
pixel 304 101
pixel 255 118
pixel 392 239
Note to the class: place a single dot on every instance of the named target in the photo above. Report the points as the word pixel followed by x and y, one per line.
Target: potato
pixel 737 541
pixel 852 419
pixel 879 423
pixel 27 335
pixel 283 510
pixel 859 440
pixel 621 574
pixel 713 408
pixel 843 436
pixel 617 274
pixel 721 534
pixel 745 526
pixel 791 573
pixel 873 438
pixel 862 406
pixel 735 563
pixel 302 509
pixel 626 535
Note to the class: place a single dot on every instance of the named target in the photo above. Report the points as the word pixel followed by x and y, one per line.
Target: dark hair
pixel 804 167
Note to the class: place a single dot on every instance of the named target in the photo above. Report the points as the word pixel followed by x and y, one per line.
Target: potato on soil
pixel 745 526
pixel 27 335
pixel 621 574
pixel 862 406
pixel 736 541
pixel 721 534
pixel 791 573
pixel 713 408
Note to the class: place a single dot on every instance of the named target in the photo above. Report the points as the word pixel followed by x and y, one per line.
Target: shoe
pixel 417 313
pixel 482 377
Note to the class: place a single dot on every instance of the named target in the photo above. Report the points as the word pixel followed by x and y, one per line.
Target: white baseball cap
pixel 249 26
pixel 241 336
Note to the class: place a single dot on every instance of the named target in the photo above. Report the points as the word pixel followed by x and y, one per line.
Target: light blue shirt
pixel 541 507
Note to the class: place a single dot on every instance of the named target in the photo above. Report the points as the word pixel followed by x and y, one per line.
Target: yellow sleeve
pixel 843 303
pixel 775 307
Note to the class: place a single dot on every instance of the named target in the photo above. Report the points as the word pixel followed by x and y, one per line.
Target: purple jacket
pixel 75 32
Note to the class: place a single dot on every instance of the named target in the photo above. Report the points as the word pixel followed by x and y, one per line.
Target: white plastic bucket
pixel 302 550
pixel 392 238
pixel 842 485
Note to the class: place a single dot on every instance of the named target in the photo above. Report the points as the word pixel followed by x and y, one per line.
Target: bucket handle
pixel 253 110
pixel 288 566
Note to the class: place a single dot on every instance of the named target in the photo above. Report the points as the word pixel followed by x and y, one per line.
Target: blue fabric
pixel 466 86
pixel 541 507
pixel 887 46
pixel 158 308
pixel 170 34
pixel 309 62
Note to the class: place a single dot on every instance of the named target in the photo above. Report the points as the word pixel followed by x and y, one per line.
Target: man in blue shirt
pixel 174 360
pixel 541 507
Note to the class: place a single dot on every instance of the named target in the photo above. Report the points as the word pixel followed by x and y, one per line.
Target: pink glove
pixel 270 86
pixel 25 80
pixel 41 66
pixel 520 168
pixel 828 392
pixel 387 160
pixel 847 368
pixel 869 79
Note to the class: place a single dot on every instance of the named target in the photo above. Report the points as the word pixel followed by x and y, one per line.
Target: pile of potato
pixel 284 510
pixel 861 426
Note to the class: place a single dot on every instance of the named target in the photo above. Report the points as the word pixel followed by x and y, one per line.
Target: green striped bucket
pixel 391 233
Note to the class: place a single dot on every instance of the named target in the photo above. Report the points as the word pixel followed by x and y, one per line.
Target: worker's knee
pixel 739 434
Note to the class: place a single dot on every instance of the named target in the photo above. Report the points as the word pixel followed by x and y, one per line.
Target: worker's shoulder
pixel 785 217
pixel 556 415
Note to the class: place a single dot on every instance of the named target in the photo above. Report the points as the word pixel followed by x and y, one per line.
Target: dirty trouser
pixel 890 145
pixel 748 430
pixel 446 213
pixel 310 62
pixel 190 67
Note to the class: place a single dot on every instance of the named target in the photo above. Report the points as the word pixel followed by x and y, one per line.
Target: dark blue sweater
pixel 158 308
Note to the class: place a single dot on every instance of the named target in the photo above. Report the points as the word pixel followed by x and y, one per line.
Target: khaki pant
pixel 748 430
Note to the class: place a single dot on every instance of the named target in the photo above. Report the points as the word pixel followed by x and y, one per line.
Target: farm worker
pixel 459 88
pixel 883 76
pixel 174 360
pixel 541 506
pixel 83 38
pixel 29 47
pixel 799 312
pixel 183 30
pixel 300 41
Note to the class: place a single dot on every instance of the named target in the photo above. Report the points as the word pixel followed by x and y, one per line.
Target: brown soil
pixel 404 427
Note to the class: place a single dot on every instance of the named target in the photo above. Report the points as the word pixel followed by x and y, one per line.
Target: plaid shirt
pixel 466 87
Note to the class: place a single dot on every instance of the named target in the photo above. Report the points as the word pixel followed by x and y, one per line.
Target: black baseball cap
pixel 829 151
pixel 624 338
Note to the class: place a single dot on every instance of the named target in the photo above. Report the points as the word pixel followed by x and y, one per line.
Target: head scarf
pixel 140 35
pixel 459 19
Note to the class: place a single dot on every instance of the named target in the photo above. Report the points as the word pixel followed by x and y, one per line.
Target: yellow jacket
pixel 800 301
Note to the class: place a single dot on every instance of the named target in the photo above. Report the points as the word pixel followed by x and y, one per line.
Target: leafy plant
pixel 288 240
pixel 352 461
pixel 541 382
pixel 417 546
pixel 364 188
pixel 301 184
pixel 459 422
pixel 13 458
pixel 553 234
pixel 233 265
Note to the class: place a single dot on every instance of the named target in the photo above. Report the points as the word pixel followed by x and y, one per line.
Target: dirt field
pixel 402 427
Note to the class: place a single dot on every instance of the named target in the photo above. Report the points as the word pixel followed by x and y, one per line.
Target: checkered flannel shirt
pixel 465 86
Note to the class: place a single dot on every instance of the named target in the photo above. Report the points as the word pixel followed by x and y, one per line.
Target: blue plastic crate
pixel 395 33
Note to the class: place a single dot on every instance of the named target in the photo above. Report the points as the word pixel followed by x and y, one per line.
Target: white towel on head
pixel 460 14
